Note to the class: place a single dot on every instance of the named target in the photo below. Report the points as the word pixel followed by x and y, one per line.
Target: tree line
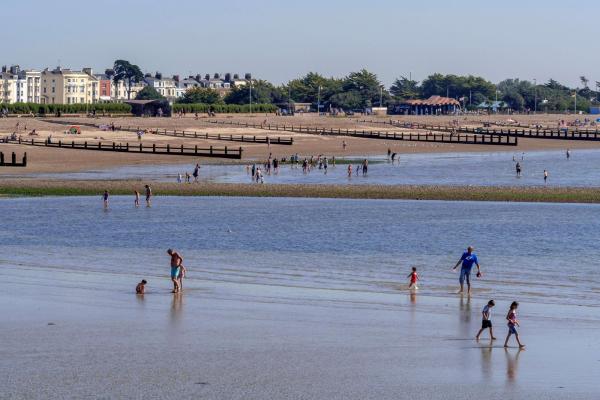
pixel 363 89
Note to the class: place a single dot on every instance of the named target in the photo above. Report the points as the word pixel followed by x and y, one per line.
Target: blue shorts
pixel 512 329
pixel 174 272
pixel 465 274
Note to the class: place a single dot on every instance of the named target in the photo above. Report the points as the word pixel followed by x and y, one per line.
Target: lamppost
pixel 289 99
pixel 319 101
pixel 250 96
pixel 576 89
pixel 535 95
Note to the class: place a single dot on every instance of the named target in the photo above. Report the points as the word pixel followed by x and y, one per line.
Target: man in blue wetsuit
pixel 467 259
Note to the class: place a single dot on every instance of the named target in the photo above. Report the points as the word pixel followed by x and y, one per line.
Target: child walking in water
pixel 486 321
pixel 414 277
pixel 512 324
pixel 141 287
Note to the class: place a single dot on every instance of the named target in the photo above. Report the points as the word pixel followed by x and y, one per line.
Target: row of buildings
pixel 66 86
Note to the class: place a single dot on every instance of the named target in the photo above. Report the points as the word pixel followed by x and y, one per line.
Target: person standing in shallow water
pixel 176 261
pixel 136 202
pixel 518 168
pixel 148 196
pixel 105 198
pixel 467 259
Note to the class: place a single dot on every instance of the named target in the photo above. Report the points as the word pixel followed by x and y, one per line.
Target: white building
pixel 8 85
pixel 29 86
pixel 165 86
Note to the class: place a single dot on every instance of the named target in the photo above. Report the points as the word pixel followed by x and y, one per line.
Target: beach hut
pixel 434 105
pixel 150 108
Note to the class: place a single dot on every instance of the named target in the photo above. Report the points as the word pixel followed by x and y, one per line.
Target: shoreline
pixel 32 188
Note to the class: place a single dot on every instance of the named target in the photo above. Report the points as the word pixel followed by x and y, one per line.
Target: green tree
pixel 351 100
pixel 404 88
pixel 125 71
pixel 365 85
pixel 148 93
pixel 262 92
pixel 201 95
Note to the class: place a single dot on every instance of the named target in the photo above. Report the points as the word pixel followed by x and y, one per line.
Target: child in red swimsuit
pixel 414 277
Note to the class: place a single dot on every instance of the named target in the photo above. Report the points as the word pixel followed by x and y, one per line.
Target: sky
pixel 282 40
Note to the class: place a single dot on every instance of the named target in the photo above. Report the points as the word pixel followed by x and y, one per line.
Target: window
pixel 53 90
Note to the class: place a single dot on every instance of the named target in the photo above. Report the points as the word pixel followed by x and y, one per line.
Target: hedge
pixel 41 109
pixel 223 108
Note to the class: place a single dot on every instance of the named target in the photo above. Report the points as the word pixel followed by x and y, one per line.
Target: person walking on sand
pixel 513 322
pixel 176 261
pixel 148 196
pixel 467 259
pixel 518 168
pixel 486 321
pixel 105 198
pixel 414 277
pixel 545 176
pixel 136 201
pixel 344 145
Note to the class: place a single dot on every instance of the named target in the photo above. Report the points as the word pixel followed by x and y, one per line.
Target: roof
pixel 434 101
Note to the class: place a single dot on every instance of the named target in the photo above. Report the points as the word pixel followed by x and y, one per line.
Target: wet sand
pixel 78 335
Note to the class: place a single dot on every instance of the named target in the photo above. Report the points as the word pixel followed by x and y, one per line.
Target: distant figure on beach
pixel 349 170
pixel 136 201
pixel 141 287
pixel 325 164
pixel 518 168
pixel 513 322
pixel 414 277
pixel 148 196
pixel 545 176
pixel 188 177
pixel 196 172
pixel 568 153
pixel 105 198
pixel 365 166
pixel 393 157
pixel 389 153
pixel 176 261
pixel 179 178
pixel 486 321
pixel 467 259
pixel 344 145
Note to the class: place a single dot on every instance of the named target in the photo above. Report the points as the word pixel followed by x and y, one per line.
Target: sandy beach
pixel 63 160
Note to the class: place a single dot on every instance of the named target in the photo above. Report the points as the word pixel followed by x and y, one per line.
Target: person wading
pixel 467 259
pixel 176 261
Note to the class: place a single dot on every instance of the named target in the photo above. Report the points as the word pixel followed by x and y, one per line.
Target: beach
pixel 291 308
pixel 44 160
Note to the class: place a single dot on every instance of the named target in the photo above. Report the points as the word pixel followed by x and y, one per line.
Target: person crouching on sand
pixel 513 322
pixel 486 321
pixel 414 277
pixel 141 287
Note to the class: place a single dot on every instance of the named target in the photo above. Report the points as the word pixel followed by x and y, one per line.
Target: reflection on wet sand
pixel 176 308
pixel 464 306
pixel 512 365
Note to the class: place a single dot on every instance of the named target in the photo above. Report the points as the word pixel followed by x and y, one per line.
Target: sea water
pixel 543 253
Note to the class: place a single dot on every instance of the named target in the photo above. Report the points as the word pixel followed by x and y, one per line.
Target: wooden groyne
pixel 210 136
pixel 541 133
pixel 217 152
pixel 4 162
pixel 437 137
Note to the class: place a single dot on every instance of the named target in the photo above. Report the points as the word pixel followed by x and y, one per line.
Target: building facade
pixel 64 86
pixel 165 86
pixel 8 86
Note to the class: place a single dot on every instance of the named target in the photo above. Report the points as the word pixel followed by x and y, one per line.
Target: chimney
pixel 158 75
pixel 176 78
pixel 87 70
pixel 14 69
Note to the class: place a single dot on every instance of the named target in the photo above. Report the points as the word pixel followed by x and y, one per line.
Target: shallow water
pixel 543 253
pixel 432 169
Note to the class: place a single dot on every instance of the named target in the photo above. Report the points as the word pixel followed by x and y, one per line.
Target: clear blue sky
pixel 280 40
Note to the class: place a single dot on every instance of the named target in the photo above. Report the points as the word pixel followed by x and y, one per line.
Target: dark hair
pixel 144 281
pixel 414 268
pixel 491 303
pixel 514 305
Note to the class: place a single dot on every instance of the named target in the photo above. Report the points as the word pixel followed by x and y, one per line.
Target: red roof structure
pixel 434 101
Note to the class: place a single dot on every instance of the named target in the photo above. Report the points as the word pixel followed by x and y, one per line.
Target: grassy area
pixel 458 193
